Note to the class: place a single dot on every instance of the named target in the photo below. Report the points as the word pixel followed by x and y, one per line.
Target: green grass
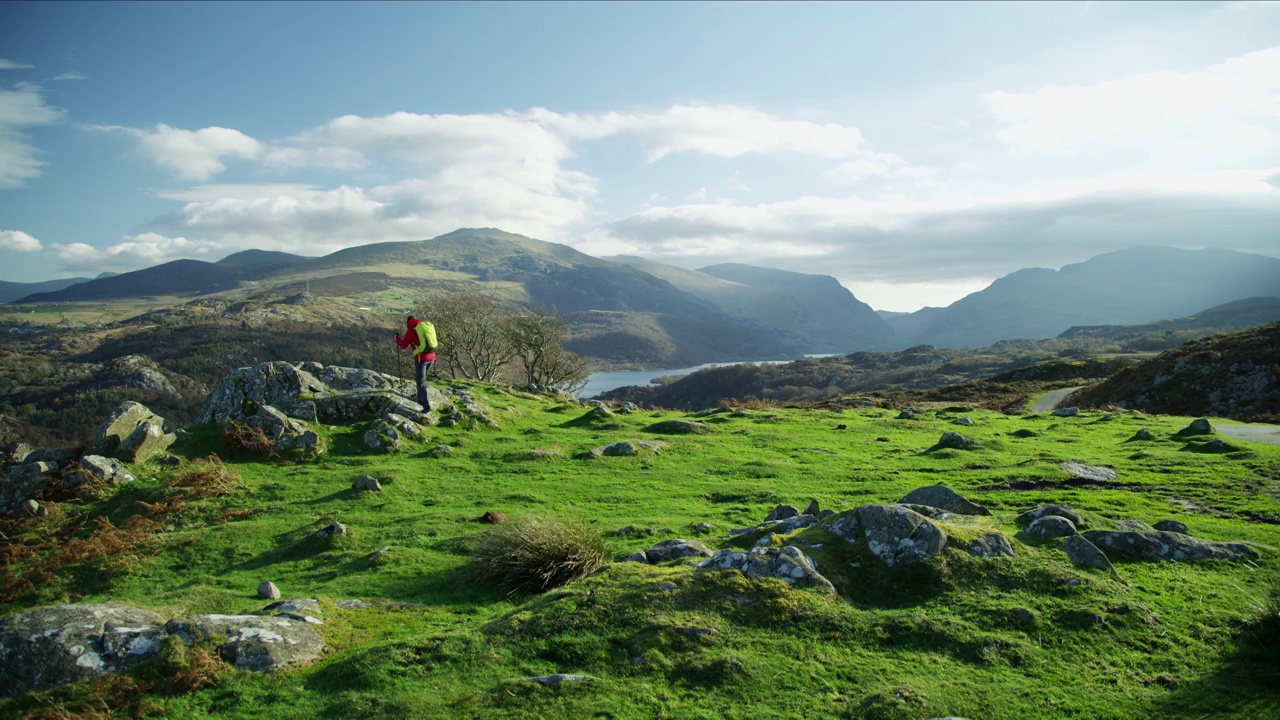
pixel 941 639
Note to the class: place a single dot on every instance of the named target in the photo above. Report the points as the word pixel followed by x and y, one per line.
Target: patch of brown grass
pixel 239 437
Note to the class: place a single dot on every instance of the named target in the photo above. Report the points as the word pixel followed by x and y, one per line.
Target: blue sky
pixel 915 151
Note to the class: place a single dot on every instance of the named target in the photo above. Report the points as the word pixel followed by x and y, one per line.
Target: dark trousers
pixel 422 370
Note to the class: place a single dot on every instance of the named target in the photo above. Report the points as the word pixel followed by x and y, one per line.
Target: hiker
pixel 421 336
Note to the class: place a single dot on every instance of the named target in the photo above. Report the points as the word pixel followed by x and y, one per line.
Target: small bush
pixel 240 437
pixel 534 555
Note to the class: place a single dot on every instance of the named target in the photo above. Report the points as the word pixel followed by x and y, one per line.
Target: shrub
pixel 240 437
pixel 536 554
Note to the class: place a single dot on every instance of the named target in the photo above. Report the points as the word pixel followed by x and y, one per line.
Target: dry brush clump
pixel 250 439
pixel 533 555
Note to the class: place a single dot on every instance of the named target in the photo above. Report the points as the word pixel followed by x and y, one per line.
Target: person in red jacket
pixel 421 337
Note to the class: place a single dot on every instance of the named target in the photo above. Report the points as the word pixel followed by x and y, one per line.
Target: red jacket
pixel 411 340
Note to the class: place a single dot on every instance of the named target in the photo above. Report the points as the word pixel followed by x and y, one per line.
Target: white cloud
pixel 192 154
pixel 22 107
pixel 720 130
pixel 961 236
pixel 18 241
pixel 1226 116
pixel 73 75
pixel 133 252
pixel 6 64
pixel 698 195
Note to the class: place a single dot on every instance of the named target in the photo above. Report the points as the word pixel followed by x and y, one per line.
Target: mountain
pixel 1127 287
pixel 811 311
pixel 10 291
pixel 1236 314
pixel 1231 375
pixel 105 274
pixel 179 277
pixel 816 307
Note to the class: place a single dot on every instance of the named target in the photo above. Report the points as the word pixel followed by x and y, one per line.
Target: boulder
pixel 1026 517
pixel 403 424
pixel 1086 554
pixel 240 393
pixel 267 590
pixel 1143 434
pixel 283 432
pixel 676 549
pixel 782 512
pixel 1161 545
pixel 1025 433
pixel 25 482
pixel 990 545
pixel 813 508
pixel 679 427
pixel 382 436
pixel 619 449
pixel 493 517
pixel 1172 526
pixel 254 642
pixel 954 441
pixel 146 441
pixel 1051 526
pixel 366 482
pixel 941 496
pixel 963 421
pixel 1200 426
pixel 99 470
pixel 1088 473
pixel 788 564
pixel 305 410
pixel 329 530
pixel 895 534
pixel 440 451
pixel 1067 412
pixel 16 454
pixel 135 371
pixel 50 646
pixel 906 415
pixel 57 456
pixel 119 425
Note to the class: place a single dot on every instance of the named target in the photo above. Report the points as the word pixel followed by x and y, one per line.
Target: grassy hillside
pixel 1027 637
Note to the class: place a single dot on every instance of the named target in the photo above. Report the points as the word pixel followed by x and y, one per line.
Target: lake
pixel 606 381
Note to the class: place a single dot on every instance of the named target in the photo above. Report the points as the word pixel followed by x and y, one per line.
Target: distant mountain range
pixel 1127 287
pixel 630 310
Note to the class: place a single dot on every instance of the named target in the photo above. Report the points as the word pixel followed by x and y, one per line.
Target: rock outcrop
pixel 1161 545
pixel 788 564
pixel 675 549
pixel 253 642
pixel 895 534
pixel 51 646
pixel 943 498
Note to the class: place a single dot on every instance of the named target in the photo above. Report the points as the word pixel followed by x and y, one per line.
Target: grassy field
pixel 1029 637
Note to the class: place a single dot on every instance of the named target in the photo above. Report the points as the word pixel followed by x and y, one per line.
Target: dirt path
pixel 1050 400
pixel 1269 434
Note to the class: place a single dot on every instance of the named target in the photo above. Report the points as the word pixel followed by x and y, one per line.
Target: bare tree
pixel 474 342
pixel 538 340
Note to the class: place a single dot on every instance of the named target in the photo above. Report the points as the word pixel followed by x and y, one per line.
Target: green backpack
pixel 427 331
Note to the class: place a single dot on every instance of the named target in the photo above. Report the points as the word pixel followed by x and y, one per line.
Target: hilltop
pixel 1009 595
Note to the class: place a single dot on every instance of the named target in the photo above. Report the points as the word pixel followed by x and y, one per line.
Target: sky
pixel 914 151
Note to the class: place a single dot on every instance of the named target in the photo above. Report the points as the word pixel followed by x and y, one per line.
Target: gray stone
pixel 146 441
pixel 352 605
pixel 440 451
pixel 305 410
pixel 619 449
pixel 782 512
pixel 382 436
pixel 57 456
pixel 637 557
pixel 1142 435
pixel 954 441
pixel 1051 526
pixel 366 482
pixel 813 508
pixel 254 642
pixel 1172 526
pixel 899 536
pixel 16 454
pixel 1200 426
pixel 1089 473
pixel 283 432
pixel 99 470
pixel 678 427
pixel 51 646
pixel 1026 517
pixel 310 606
pixel 31 508
pixel 330 530
pixel 941 496
pixel 403 424
pixel 1084 553
pixel 267 590
pixel 676 549
pixel 991 545
pixel 556 681
pixel 120 424
pixel 788 564
pixel 963 421
pixel 1067 412
pixel 26 481
pixel 1160 545
pixel 906 415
